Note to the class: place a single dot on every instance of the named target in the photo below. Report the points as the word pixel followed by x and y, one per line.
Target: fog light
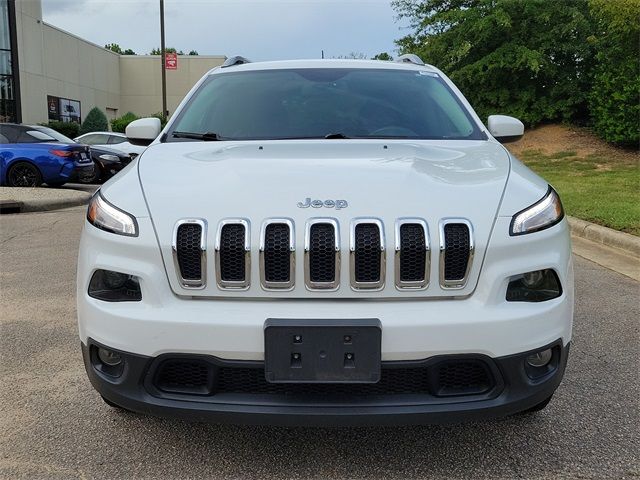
pixel 109 357
pixel 536 286
pixel 540 359
pixel 111 286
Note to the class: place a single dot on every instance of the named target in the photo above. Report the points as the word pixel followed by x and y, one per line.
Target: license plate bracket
pixel 322 351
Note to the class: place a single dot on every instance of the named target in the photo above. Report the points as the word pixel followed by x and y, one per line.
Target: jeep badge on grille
pixel 337 204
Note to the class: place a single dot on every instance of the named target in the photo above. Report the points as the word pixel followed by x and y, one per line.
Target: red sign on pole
pixel 171 61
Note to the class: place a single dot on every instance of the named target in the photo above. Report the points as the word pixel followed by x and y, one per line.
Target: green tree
pixel 382 56
pixel 615 99
pixel 193 53
pixel 120 124
pixel 157 51
pixel 114 47
pixel 95 121
pixel 69 129
pixel 527 58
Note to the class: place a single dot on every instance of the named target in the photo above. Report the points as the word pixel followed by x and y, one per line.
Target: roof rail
pixel 235 60
pixel 410 58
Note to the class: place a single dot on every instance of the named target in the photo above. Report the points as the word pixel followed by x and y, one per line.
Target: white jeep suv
pixel 326 242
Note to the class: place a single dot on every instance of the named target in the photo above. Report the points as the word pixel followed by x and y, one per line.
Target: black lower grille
pixel 368 253
pixel 232 253
pixel 413 249
pixel 185 376
pixel 188 250
pixel 277 253
pixel 322 253
pixel 443 378
pixel 457 250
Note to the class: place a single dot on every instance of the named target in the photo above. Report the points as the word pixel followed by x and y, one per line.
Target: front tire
pixel 24 174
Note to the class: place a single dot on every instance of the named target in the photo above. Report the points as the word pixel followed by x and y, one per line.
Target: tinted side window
pixel 10 132
pixel 97 139
pixel 114 139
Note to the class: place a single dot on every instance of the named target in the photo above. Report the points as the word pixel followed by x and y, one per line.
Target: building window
pixel 8 90
pixel 63 109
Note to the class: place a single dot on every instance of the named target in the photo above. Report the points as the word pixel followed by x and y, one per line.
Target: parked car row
pixel 31 155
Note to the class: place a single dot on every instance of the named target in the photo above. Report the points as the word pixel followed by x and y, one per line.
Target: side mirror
pixel 505 129
pixel 143 131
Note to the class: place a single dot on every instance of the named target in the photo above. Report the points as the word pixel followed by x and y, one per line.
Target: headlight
pixel 101 214
pixel 543 214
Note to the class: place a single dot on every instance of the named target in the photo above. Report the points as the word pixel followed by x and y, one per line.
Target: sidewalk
pixel 19 200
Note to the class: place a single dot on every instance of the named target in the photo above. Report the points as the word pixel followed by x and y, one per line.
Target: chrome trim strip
pixel 227 284
pixel 190 283
pixel 281 286
pixel 412 285
pixel 355 285
pixel 324 286
pixel 460 283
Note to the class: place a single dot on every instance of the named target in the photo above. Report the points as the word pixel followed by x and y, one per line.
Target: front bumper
pixel 511 391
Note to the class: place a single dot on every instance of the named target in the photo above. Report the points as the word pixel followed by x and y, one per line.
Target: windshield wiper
pixel 205 137
pixel 331 136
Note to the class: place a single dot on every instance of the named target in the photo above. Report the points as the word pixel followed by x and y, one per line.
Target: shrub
pixel 163 118
pixel 69 129
pixel 95 121
pixel 615 98
pixel 120 124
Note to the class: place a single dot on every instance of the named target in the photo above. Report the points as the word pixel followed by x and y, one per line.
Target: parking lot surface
pixel 54 425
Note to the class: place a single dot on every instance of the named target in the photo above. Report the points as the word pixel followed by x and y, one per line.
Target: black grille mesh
pixel 188 239
pixel 412 252
pixel 277 254
pixel 456 255
pixel 322 253
pixel 445 378
pixel 232 253
pixel 367 252
pixel 462 378
pixel 185 376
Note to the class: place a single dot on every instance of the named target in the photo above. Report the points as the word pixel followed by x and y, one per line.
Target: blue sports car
pixel 31 155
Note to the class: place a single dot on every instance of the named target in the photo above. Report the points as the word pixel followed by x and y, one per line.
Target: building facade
pixel 49 74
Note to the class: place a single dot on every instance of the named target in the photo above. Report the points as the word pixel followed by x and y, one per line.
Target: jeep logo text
pixel 337 204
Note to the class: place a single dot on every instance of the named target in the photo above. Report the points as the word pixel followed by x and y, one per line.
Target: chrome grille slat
pixel 456 252
pixel 233 254
pixel 189 249
pixel 367 254
pixel 322 254
pixel 277 254
pixel 412 254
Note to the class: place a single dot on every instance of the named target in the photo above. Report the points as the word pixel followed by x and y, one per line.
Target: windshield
pixel 57 136
pixel 321 102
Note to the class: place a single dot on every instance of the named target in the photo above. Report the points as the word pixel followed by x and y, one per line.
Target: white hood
pixel 385 180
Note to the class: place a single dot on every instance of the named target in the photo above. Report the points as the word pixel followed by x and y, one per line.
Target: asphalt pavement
pixel 54 425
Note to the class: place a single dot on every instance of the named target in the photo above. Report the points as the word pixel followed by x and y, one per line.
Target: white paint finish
pixel 426 179
pixel 412 329
pixel 505 126
pixel 143 129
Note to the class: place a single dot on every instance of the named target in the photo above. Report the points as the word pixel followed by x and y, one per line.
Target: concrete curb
pixel 16 200
pixel 606 236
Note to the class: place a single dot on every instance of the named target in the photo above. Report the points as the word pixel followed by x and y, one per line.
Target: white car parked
pixel 326 242
pixel 114 140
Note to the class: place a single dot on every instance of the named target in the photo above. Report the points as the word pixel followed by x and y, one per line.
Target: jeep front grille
pixel 322 254
pixel 277 255
pixel 367 254
pixel 456 252
pixel 189 252
pixel 413 254
pixel 233 260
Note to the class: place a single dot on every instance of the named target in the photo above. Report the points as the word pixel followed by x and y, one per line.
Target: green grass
pixel 597 189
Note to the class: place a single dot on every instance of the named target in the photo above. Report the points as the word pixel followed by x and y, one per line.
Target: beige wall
pixel 141 82
pixel 55 62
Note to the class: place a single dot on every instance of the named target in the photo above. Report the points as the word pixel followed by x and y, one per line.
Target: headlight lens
pixel 543 214
pixel 101 214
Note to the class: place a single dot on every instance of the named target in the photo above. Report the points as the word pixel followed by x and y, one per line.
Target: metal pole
pixel 162 56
